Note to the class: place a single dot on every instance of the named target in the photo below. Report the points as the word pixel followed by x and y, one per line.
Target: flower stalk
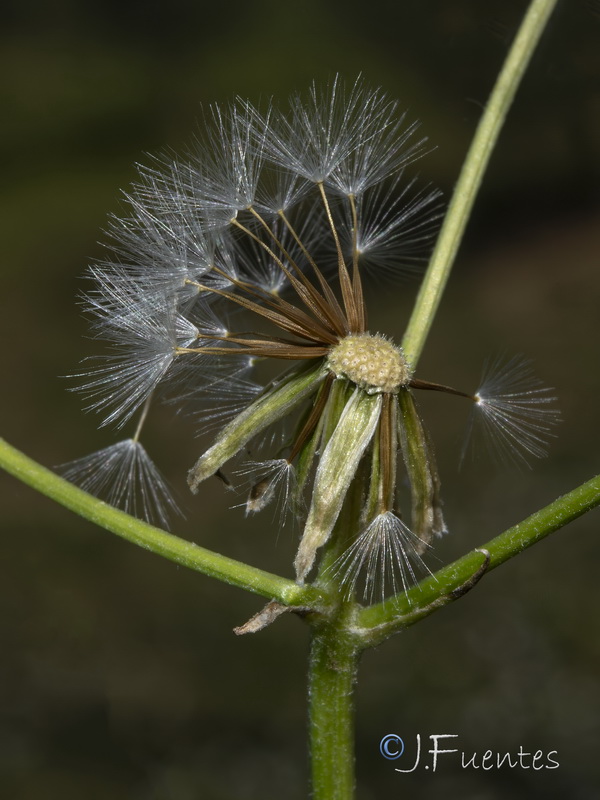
pixel 475 164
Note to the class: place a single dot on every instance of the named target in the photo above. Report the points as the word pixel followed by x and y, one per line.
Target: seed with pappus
pixel 254 248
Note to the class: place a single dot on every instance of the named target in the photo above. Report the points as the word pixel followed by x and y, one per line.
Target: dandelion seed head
pixel 251 249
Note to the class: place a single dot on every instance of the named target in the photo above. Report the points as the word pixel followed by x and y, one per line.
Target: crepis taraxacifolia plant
pixel 254 247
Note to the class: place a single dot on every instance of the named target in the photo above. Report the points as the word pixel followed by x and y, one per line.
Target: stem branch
pixel 164 544
pixel 435 591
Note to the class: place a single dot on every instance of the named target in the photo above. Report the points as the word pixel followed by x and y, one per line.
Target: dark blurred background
pixel 120 675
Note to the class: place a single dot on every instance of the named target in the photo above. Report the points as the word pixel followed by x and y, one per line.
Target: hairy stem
pixel 471 175
pixel 332 669
pixel 331 678
pixel 164 544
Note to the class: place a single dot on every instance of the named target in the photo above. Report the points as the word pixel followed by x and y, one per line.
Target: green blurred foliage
pixel 120 676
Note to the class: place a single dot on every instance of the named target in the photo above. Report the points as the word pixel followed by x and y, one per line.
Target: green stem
pixel 164 544
pixel 333 664
pixel 471 175
pixel 331 678
pixel 380 621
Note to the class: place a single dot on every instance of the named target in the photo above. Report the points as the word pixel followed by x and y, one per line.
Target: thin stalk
pixel 343 276
pixel 142 419
pixel 471 175
pixel 147 536
pixel 340 326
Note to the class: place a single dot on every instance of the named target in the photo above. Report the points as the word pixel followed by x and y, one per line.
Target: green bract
pixel 278 401
pixel 337 468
